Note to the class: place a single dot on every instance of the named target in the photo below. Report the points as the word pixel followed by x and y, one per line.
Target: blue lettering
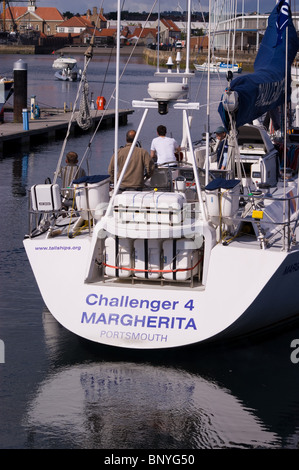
pixel 113 317
pixel 88 301
pixel 165 321
pixel 85 319
pixel 155 305
pixel 151 322
pixel 105 299
pixel 128 321
pixel 113 302
pixel 101 319
pixel 191 324
pixel 135 320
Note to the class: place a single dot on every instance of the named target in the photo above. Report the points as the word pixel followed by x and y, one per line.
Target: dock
pixel 53 124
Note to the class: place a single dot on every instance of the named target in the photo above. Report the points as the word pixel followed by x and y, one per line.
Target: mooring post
pixel 20 89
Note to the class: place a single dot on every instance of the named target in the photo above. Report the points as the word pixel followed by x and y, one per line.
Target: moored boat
pixel 66 69
pixel 218 67
pixel 63 62
pixel 6 90
pixel 201 253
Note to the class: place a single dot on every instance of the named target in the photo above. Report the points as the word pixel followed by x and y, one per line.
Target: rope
pixel 84 119
pixel 154 270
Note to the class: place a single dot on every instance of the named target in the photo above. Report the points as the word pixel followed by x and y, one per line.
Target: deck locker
pixel 118 254
pixel 147 258
pixel 45 197
pixel 150 207
pixel 180 255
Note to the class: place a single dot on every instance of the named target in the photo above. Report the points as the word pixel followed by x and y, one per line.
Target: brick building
pixel 44 20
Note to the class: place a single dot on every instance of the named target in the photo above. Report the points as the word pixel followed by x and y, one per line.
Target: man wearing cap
pixel 222 147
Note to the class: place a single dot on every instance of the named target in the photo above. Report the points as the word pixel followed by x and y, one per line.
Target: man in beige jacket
pixel 140 167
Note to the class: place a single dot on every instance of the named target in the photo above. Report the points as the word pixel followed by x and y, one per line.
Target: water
pixel 57 391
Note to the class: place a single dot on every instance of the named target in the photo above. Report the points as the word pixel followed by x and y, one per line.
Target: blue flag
pixel 282 18
pixel 264 89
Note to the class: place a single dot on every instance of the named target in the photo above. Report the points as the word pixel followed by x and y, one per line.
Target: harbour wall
pixel 149 55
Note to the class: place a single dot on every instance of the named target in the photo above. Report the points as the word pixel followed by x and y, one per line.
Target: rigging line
pixel 88 57
pixel 112 94
pixel 102 117
pixel 108 64
pixel 87 60
pixel 134 47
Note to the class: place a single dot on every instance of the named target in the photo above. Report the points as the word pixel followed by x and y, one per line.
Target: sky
pixel 80 6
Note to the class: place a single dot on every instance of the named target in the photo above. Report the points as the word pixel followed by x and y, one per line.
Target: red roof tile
pixel 46 13
pixel 108 32
pixel 76 22
pixel 144 33
pixel 170 25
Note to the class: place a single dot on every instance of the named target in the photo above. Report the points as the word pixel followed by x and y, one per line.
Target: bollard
pixel 32 107
pixel 20 89
pixel 25 120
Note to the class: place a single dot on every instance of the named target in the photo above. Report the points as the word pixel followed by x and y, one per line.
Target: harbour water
pixel 59 392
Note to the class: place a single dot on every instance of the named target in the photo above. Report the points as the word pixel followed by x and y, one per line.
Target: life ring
pixel 100 102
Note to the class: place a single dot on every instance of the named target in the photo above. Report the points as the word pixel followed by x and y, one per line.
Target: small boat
pixel 63 62
pixel 218 67
pixel 67 69
pixel 201 254
pixel 68 74
pixel 6 90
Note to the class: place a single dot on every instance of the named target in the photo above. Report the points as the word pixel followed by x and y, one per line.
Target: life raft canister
pixel 101 102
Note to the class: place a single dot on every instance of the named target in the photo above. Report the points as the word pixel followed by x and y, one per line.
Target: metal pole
pixel 188 36
pixel 117 93
pixel 207 165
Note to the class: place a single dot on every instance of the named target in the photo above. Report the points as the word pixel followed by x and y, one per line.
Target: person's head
pixel 72 157
pixel 161 130
pixel 220 133
pixel 130 136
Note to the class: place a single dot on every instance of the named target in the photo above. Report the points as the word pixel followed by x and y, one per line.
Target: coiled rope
pixel 84 119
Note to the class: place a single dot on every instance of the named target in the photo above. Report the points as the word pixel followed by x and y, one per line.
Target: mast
pixel 208 101
pixel 4 19
pixel 117 93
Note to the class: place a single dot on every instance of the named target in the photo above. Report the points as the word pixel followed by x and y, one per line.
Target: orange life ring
pixel 101 102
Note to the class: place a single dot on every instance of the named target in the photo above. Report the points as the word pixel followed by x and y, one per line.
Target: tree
pixel 67 14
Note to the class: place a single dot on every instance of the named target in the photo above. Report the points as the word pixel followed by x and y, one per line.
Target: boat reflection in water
pixel 137 405
pixel 116 405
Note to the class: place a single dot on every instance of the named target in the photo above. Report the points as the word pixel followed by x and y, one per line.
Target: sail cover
pixel 263 90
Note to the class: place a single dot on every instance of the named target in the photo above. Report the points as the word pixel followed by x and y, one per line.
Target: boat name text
pixel 125 301
pixel 143 321
pixel 161 321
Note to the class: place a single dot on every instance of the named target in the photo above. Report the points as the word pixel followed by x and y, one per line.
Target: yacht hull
pixel 151 316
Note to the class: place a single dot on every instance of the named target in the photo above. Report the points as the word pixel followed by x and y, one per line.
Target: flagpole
pixel 285 132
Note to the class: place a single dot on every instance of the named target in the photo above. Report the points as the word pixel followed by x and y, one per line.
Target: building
pixel 97 19
pixel 145 36
pixel 169 32
pixel 44 20
pixel 80 29
pixel 244 33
